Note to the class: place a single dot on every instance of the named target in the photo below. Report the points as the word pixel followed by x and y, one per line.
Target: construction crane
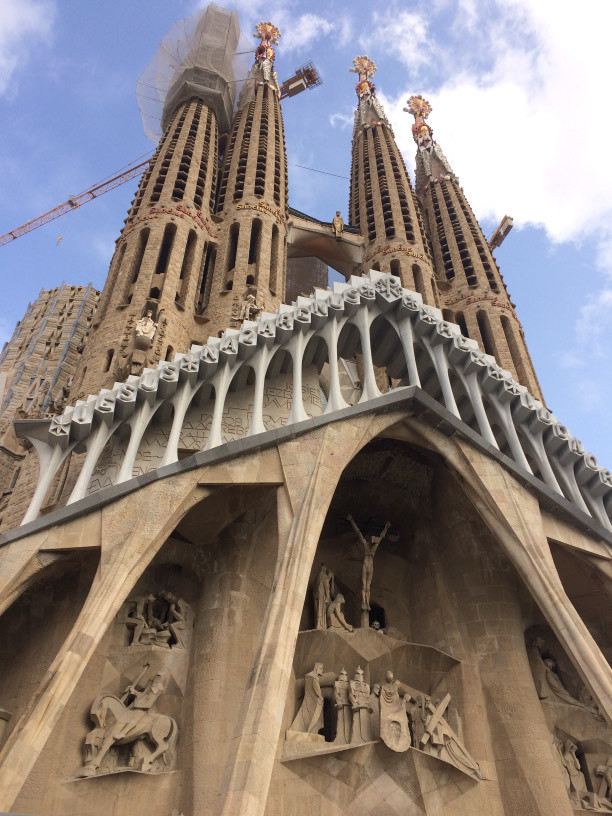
pixel 500 233
pixel 304 77
pixel 74 203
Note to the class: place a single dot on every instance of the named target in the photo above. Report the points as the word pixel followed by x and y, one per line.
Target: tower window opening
pixel 395 267
pixel 274 260
pixel 229 285
pixel 209 255
pixel 486 334
pixel 255 242
pixel 154 293
pixel 250 280
pixel 515 351
pixel 460 321
pixel 165 249
pixel 136 264
pixel 419 281
pixel 169 353
pixel 109 360
pixel 187 266
pixel 232 247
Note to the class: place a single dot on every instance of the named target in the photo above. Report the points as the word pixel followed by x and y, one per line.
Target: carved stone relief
pixel 133 721
pixel 580 735
pixel 335 713
pixel 160 619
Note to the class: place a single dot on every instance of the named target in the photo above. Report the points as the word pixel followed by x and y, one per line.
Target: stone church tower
pixel 474 294
pixel 382 201
pixel 240 587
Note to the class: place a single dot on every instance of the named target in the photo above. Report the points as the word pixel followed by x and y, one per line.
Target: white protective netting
pixel 203 55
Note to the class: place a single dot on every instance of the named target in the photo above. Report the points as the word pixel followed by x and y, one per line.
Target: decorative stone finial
pixel 432 164
pixel 269 35
pixel 421 132
pixel 370 112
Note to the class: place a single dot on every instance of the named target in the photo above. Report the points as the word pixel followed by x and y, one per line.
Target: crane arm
pixel 74 203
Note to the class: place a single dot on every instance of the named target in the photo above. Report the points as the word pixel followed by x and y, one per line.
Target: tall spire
pixel 147 310
pixel 473 293
pixel 253 201
pixel 382 202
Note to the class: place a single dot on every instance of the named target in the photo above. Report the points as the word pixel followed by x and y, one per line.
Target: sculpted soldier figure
pixel 359 696
pixel 367 569
pixel 131 720
pixel 343 706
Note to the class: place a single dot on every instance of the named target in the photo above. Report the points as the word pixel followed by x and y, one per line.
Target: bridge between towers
pixel 429 363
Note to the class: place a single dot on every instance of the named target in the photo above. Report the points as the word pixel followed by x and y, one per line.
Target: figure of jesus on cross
pixel 369 546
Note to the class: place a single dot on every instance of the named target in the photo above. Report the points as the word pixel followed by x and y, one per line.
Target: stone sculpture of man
pixel 176 622
pixel 146 326
pixel 359 696
pixel 138 619
pixel 555 684
pixel 322 590
pixel 335 615
pixel 572 764
pixel 394 730
pixel 337 225
pixel 433 735
pixel 605 771
pixel 343 706
pixel 309 718
pixel 369 546
pixel 250 309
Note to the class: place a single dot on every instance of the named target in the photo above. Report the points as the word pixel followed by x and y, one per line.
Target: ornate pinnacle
pixel 418 107
pixel 366 68
pixel 363 66
pixel 421 132
pixel 269 35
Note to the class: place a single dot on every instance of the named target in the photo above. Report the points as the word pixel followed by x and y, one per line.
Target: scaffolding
pixel 204 55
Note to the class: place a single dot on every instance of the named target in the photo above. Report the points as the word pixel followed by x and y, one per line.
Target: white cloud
pixel 341 120
pixel 304 30
pixel 24 24
pixel 594 325
pixel 402 34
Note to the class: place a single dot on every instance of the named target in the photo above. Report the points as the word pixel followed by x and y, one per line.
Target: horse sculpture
pixel 118 724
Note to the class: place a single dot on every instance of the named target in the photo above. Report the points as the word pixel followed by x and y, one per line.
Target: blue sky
pixel 520 107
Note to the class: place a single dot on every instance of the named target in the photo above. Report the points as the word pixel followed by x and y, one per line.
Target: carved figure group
pixel 387 710
pixel 575 782
pixel 158 620
pixel 433 735
pixel 327 604
pixel 130 720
